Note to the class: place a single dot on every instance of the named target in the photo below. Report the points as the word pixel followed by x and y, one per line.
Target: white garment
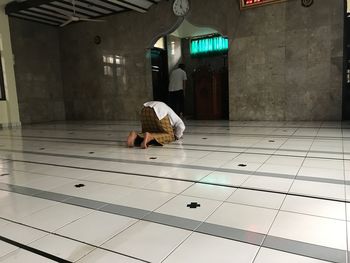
pixel 162 110
pixel 177 78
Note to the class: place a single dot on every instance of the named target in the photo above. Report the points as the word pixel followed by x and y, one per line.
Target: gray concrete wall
pixel 89 93
pixel 38 71
pixel 92 94
pixel 286 62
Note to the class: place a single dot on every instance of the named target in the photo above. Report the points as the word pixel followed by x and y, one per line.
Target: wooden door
pixel 203 93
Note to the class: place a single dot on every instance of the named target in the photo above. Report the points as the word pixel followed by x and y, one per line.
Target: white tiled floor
pixel 329 233
pixel 244 217
pixel 294 187
pixel 200 248
pixel 274 256
pixel 149 241
pixel 85 229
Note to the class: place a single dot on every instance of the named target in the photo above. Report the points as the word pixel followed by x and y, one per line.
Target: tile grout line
pixel 143 217
pixel 120 143
pixel 279 210
pixel 346 214
pixel 175 179
pixel 304 157
pixel 186 166
pixel 194 231
pixel 247 233
pixel 31 250
pixel 69 238
pixel 217 146
pixel 220 205
pixel 275 217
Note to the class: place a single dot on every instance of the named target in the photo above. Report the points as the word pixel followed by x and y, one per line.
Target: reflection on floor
pixel 228 192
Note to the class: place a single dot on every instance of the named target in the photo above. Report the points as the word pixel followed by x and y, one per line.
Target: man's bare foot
pixel 147 138
pixel 131 139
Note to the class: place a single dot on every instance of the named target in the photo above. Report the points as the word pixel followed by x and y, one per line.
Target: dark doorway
pixel 207 95
pixel 2 85
pixel 160 75
pixel 210 94
pixel 346 68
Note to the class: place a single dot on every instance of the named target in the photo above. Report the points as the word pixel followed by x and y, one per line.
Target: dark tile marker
pixel 193 205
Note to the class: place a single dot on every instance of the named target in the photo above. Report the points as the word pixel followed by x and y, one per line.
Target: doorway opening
pixel 204 53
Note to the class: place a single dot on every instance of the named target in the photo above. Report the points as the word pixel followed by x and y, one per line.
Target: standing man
pixel 177 85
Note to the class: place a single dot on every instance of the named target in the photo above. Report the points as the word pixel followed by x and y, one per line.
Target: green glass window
pixel 209 45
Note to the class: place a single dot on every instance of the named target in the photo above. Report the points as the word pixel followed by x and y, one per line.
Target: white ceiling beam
pixel 130 6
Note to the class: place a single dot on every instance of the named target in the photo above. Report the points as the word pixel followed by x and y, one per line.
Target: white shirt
pixel 177 78
pixel 162 110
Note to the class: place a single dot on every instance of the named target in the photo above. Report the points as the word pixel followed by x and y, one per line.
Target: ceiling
pixel 186 29
pixel 56 12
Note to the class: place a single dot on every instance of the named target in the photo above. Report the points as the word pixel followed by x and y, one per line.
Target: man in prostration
pixel 160 125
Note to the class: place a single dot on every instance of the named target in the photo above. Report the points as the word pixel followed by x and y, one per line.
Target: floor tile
pixel 348 212
pixel 6 248
pixel 103 256
pixel 178 207
pixel 237 166
pixel 208 162
pixel 278 169
pixel 209 191
pixel 313 206
pixel 222 178
pixel 170 186
pixel 54 217
pixel 17 206
pixel 274 256
pixel 62 247
pixel 125 183
pixel 334 191
pixel 145 199
pixel 20 233
pixel 96 228
pixel 310 229
pixel 244 217
pixel 257 198
pixel 21 255
pixel 188 174
pixel 321 172
pixel 199 248
pixel 324 163
pixel 122 179
pixel 285 160
pixel 146 241
pixel 268 183
pixel 255 158
pixel 109 193
pixel 86 191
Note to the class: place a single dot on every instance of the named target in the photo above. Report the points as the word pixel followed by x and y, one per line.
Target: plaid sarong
pixel 161 130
